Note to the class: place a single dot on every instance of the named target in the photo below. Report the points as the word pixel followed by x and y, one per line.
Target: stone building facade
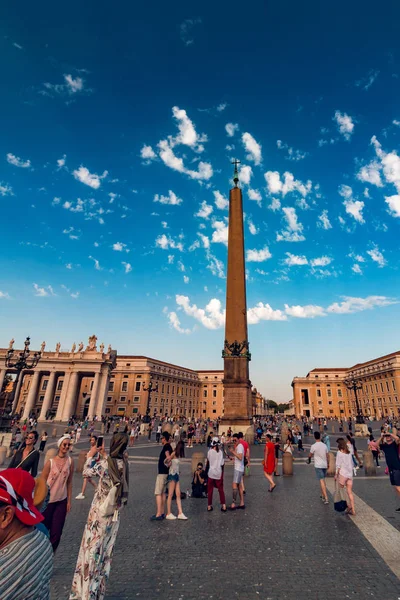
pixel 93 382
pixel 322 393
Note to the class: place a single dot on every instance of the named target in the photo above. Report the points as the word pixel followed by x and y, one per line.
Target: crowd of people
pixel 34 508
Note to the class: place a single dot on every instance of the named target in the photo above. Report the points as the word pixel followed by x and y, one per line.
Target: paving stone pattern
pixel 285 545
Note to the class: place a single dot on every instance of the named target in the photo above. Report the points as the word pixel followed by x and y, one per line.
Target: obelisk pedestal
pixel 236 355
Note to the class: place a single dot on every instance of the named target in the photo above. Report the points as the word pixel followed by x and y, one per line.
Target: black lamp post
pixel 353 384
pixel 18 361
pixel 150 389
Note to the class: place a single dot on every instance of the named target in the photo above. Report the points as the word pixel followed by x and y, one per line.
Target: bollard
pixel 284 433
pixel 196 458
pixel 103 428
pixel 333 428
pixel 287 464
pixel 51 453
pixel 3 454
pixel 369 463
pixel 54 433
pixel 81 461
pixel 331 465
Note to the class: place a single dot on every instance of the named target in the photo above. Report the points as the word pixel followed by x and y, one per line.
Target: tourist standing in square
pixel 320 453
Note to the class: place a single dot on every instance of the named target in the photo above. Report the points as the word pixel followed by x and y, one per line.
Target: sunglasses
pixel 65 445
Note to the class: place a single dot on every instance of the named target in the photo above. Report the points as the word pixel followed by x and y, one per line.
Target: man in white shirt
pixel 321 456
pixel 238 470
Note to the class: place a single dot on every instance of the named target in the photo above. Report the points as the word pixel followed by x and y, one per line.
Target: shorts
pixel 320 473
pixel 343 480
pixel 394 475
pixel 174 477
pixel 237 476
pixel 161 484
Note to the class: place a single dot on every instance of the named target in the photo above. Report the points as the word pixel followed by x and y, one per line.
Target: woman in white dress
pixel 344 472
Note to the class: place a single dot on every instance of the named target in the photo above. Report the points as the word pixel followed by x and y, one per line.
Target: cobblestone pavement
pixel 285 545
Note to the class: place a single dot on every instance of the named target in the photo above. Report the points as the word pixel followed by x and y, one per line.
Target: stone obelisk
pixel 236 355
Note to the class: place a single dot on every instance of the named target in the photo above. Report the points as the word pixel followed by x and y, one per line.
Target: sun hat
pixel 16 489
pixel 214 441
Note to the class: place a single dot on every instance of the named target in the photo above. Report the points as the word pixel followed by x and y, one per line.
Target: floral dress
pixel 94 560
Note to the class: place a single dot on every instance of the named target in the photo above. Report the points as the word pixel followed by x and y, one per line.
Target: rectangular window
pixel 136 399
pixel 376 387
pixel 214 403
pixel 108 410
pixel 214 393
pixel 387 386
pixel 122 399
pixel 372 389
pixel 41 398
pixel 173 389
pixel 137 386
pixel 214 411
pixel 393 385
pixel 44 385
pixel 60 385
pixel 109 398
pixel 204 393
pixel 91 384
pixel 339 393
pixel 135 410
pixel 111 386
pixel 57 399
pixel 329 392
pixel 318 393
pixel 167 389
pixel 381 386
pixel 124 387
pixel 330 402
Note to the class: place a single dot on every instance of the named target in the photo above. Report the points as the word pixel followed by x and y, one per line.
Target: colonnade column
pixel 71 396
pixel 30 402
pixel 103 391
pixel 93 397
pixel 2 376
pixel 60 409
pixel 17 392
pixel 48 397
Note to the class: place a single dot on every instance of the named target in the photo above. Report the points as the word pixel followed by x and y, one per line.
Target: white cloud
pixel 258 255
pixel 204 211
pixel 187 132
pixel 293 261
pixel 275 204
pixel 353 207
pixel 5 190
pixel 292 154
pixel 73 85
pixel 294 229
pixel 171 199
pixel 42 292
pixel 205 240
pixel 344 123
pixel 181 266
pixel 245 173
pixel 120 247
pixel 61 162
pixel 220 201
pixel 394 205
pixel 91 179
pixel 356 268
pixel 166 242
pixel 252 228
pixel 231 129
pixel 176 324
pixel 309 311
pixel 322 261
pixel 147 154
pixel 212 316
pixel 216 266
pixel 264 312
pixel 366 82
pixel 370 174
pixel 377 256
pixel 254 195
pixel 287 185
pixel 72 233
pixel 171 259
pixel 221 107
pixel 186 29
pixel 18 162
pixel 323 220
pixel 172 161
pixel 164 225
pixel 128 267
pixel 96 263
pixel 4 295
pixel 186 279
pixel 220 235
pixel 395 122
pixel 351 304
pixel 390 163
pixel 252 147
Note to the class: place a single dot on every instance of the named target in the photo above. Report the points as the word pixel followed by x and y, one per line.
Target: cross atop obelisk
pixel 236 355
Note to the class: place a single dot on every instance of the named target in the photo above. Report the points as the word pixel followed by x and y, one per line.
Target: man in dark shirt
pixel 161 481
pixel 389 444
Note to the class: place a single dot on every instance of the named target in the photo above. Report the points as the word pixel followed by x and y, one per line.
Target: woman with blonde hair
pixel 344 472
pixel 173 482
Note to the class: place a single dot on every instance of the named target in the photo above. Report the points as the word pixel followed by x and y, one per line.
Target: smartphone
pixel 100 441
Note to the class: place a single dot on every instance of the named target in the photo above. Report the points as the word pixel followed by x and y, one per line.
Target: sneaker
pixel 155 518
pixel 171 517
pixel 80 497
pixel 181 517
pixel 326 501
pixel 355 471
pixel 378 466
pixel 397 510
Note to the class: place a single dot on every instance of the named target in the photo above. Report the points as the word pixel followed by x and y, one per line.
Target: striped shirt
pixel 26 566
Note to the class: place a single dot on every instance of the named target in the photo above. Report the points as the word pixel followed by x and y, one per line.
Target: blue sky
pixel 119 125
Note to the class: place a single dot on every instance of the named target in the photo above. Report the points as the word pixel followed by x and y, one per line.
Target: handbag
pixel 339 499
pixel 109 504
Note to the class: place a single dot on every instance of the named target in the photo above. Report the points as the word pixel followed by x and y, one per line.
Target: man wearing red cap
pixel 26 555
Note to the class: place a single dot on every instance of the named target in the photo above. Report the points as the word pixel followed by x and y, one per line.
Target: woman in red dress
pixel 269 462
